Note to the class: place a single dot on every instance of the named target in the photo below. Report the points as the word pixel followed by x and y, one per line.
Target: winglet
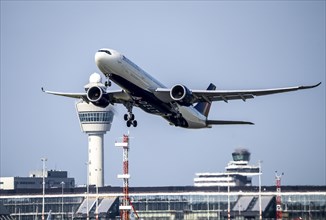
pixel 309 87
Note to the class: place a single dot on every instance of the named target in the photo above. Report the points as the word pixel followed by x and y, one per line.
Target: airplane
pixel 179 105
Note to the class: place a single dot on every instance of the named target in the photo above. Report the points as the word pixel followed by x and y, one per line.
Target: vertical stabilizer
pixel 204 107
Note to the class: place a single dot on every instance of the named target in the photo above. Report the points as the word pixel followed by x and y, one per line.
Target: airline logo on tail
pixel 204 107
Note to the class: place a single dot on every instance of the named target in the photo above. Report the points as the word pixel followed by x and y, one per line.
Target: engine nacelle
pixel 181 94
pixel 96 95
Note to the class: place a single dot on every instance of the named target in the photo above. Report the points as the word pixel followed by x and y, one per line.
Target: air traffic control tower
pixel 95 122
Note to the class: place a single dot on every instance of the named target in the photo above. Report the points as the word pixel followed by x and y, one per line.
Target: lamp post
pixel 239 209
pixel 43 159
pixel 218 204
pixel 239 205
pixel 96 210
pixel 229 214
pixel 62 185
pixel 87 191
pixel 260 173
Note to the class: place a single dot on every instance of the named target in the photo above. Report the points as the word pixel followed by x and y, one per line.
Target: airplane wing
pixel 118 96
pixel 70 95
pixel 226 95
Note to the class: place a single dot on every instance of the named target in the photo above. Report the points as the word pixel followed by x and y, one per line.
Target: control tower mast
pixel 95 117
pixel 95 121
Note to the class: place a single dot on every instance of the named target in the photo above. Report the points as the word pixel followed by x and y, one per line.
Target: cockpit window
pixel 105 51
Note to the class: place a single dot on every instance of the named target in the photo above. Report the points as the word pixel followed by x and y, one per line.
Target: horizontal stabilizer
pixel 221 122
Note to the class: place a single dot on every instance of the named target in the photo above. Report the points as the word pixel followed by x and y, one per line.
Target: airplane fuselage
pixel 141 87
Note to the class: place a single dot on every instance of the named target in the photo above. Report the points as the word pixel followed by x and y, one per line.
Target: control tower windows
pixel 95 117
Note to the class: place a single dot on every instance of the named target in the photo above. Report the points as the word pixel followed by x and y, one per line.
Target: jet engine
pixel 97 96
pixel 181 94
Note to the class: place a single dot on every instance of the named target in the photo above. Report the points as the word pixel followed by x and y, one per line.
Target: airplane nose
pixel 101 57
pixel 107 60
pixel 106 55
pixel 104 60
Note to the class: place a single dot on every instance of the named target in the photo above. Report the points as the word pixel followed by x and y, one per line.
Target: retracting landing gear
pixel 108 83
pixel 130 117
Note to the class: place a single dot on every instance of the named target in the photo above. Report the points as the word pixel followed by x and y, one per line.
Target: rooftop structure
pixel 237 173
pixel 53 179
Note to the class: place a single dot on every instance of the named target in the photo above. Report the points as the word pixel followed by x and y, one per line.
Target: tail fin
pixel 204 107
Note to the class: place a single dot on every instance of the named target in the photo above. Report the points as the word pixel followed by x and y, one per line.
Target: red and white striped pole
pixel 278 196
pixel 125 207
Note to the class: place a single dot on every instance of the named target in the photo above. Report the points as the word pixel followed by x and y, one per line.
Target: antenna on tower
pixel 126 205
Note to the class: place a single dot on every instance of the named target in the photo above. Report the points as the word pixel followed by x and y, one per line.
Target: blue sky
pixel 235 45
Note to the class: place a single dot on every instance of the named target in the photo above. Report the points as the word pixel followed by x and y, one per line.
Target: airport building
pixel 211 197
pixel 237 173
pixel 53 179
pixel 188 202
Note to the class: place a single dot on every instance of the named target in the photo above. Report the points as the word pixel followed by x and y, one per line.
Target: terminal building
pixel 215 198
pixel 53 179
pixel 212 197
pixel 237 173
pixel 184 202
